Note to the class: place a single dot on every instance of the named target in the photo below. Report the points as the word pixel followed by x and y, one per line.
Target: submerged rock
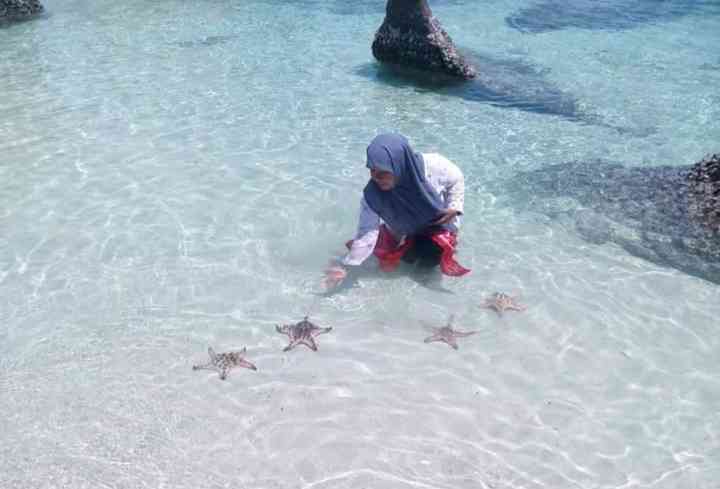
pixel 552 15
pixel 704 192
pixel 411 36
pixel 15 10
pixel 669 215
pixel 508 83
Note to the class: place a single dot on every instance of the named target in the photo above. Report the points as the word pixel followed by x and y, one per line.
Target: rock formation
pixel 666 214
pixel 411 36
pixel 14 10
pixel 704 192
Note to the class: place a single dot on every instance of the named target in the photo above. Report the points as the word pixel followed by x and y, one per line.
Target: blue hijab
pixel 410 206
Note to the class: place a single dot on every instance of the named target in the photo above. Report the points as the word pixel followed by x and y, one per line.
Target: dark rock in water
pixel 593 226
pixel 668 215
pixel 508 83
pixel 411 36
pixel 347 7
pixel 15 10
pixel 551 15
pixel 514 82
pixel 704 192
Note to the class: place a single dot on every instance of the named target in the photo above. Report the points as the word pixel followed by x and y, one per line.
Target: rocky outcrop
pixel 666 214
pixel 14 10
pixel 411 36
pixel 704 192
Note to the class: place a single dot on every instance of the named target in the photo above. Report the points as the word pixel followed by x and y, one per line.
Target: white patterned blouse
pixel 447 180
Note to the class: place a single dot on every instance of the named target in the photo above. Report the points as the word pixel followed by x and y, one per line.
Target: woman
pixel 409 211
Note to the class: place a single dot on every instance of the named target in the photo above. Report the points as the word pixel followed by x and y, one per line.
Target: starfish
pixel 303 333
pixel 447 334
pixel 502 302
pixel 223 362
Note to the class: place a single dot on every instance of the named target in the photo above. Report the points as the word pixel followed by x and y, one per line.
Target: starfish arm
pixel 309 342
pixel 212 354
pixel 223 373
pixel 290 346
pixel 323 331
pixel 282 330
pixel 244 363
pixel 435 337
pixel 517 307
pixel 462 334
pixel 450 340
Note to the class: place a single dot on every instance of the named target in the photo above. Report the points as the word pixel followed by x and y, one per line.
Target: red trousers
pixel 389 252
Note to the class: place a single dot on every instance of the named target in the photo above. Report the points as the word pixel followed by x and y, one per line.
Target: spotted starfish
pixel 302 333
pixel 223 362
pixel 501 302
pixel 448 335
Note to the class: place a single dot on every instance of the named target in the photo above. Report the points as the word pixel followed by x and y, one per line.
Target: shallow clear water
pixel 176 175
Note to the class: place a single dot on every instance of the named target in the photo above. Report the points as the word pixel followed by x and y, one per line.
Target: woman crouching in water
pixel 409 211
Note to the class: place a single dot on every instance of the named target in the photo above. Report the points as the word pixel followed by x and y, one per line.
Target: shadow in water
pixel 552 15
pixel 502 82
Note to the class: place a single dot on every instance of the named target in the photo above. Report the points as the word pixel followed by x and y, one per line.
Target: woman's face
pixel 384 179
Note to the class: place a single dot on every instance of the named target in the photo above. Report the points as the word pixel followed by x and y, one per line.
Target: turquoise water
pixel 175 175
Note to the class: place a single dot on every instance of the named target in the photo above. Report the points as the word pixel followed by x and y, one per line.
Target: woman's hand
pixel 446 216
pixel 334 275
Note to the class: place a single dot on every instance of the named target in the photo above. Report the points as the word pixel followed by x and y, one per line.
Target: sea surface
pixel 176 175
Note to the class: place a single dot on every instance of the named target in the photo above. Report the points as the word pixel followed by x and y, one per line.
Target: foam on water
pixel 176 175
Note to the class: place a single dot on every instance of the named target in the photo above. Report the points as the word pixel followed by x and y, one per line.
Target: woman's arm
pixel 360 248
pixel 365 237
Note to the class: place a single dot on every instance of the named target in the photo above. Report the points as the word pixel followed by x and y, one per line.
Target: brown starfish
pixel 302 333
pixel 448 335
pixel 223 362
pixel 502 302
